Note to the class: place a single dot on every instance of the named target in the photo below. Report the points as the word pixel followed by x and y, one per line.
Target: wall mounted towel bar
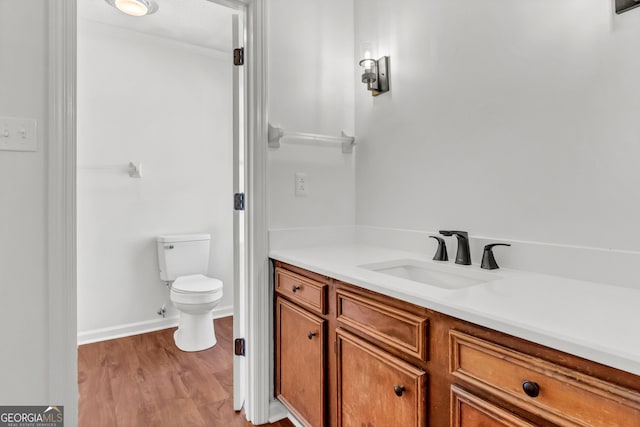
pixel 276 133
pixel 133 169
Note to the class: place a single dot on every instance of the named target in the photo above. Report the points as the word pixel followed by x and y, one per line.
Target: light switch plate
pixel 18 134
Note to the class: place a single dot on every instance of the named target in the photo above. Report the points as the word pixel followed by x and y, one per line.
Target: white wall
pixel 514 120
pixel 310 49
pixel 23 215
pixel 167 105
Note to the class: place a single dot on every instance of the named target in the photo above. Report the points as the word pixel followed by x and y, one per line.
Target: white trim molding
pixel 137 328
pixel 126 330
pixel 63 388
pixel 279 412
pixel 61 209
pixel 259 295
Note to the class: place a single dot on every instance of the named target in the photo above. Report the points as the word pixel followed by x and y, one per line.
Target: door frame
pixel 61 210
pixel 240 302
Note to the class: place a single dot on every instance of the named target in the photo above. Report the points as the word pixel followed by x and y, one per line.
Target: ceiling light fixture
pixel 135 7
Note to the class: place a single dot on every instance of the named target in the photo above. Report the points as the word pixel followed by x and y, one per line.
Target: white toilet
pixel 184 260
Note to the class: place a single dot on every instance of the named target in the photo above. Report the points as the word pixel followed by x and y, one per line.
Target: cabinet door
pixel 376 388
pixel 300 362
pixel 468 410
pixel 563 396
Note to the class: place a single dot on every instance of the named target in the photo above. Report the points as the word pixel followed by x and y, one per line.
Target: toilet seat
pixel 196 284
pixel 195 289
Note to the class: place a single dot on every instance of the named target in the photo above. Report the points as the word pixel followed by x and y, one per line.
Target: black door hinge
pixel 238 56
pixel 239 347
pixel 238 201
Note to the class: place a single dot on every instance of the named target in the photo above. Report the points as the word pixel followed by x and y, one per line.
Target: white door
pixel 240 302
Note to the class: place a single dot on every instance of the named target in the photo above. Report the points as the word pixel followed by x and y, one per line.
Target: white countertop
pixel 595 321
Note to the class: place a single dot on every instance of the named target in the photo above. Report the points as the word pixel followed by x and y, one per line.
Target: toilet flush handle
pixel 168 246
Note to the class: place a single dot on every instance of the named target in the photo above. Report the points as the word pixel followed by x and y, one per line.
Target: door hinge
pixel 239 347
pixel 238 201
pixel 238 56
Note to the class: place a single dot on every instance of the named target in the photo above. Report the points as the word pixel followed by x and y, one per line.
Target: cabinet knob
pixel 295 288
pixel 398 390
pixel 531 388
pixel 310 335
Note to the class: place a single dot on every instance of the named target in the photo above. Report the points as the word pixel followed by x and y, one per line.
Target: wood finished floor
pixel 144 380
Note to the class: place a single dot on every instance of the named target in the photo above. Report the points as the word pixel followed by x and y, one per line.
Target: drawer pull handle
pixel 295 288
pixel 310 335
pixel 531 389
pixel 399 390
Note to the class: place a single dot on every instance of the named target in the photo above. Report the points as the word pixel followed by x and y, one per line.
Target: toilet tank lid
pixel 170 238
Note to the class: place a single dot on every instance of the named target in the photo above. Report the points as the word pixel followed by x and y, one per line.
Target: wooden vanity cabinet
pixel 378 361
pixel 400 328
pixel 469 410
pixel 382 348
pixel 364 364
pixel 301 362
pixel 376 388
pixel 537 387
pixel 300 355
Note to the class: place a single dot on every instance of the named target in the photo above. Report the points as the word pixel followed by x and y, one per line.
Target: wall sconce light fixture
pixel 135 7
pixel 626 5
pixel 375 74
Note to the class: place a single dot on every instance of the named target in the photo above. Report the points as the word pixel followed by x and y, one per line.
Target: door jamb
pixel 61 210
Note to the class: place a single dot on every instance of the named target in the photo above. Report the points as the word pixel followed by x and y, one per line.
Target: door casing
pixel 61 210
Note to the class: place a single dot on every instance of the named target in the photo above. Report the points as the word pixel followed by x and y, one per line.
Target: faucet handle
pixel 488 260
pixel 441 253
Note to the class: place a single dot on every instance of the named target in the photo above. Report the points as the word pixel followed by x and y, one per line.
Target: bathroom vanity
pixel 363 354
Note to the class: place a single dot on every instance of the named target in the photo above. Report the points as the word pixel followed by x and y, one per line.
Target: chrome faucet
pixel 463 255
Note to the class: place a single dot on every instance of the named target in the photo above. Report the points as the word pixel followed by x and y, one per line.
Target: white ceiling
pixel 197 22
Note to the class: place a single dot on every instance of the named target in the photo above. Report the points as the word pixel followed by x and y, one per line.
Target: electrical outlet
pixel 302 188
pixel 18 134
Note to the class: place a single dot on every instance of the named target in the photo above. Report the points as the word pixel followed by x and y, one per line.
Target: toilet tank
pixel 183 254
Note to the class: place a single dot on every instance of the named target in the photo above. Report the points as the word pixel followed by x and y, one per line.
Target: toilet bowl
pixel 184 261
pixel 195 296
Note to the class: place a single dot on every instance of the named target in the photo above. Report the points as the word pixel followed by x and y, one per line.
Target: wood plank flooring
pixel 144 380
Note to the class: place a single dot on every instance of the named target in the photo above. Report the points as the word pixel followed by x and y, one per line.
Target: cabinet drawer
pixel 566 397
pixel 306 292
pixel 392 326
pixel 468 410
pixel 376 388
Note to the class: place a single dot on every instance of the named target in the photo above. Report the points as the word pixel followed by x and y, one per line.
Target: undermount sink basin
pixel 444 276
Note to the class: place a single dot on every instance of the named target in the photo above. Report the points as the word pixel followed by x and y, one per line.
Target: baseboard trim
pixel 220 312
pixel 277 412
pixel 129 329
